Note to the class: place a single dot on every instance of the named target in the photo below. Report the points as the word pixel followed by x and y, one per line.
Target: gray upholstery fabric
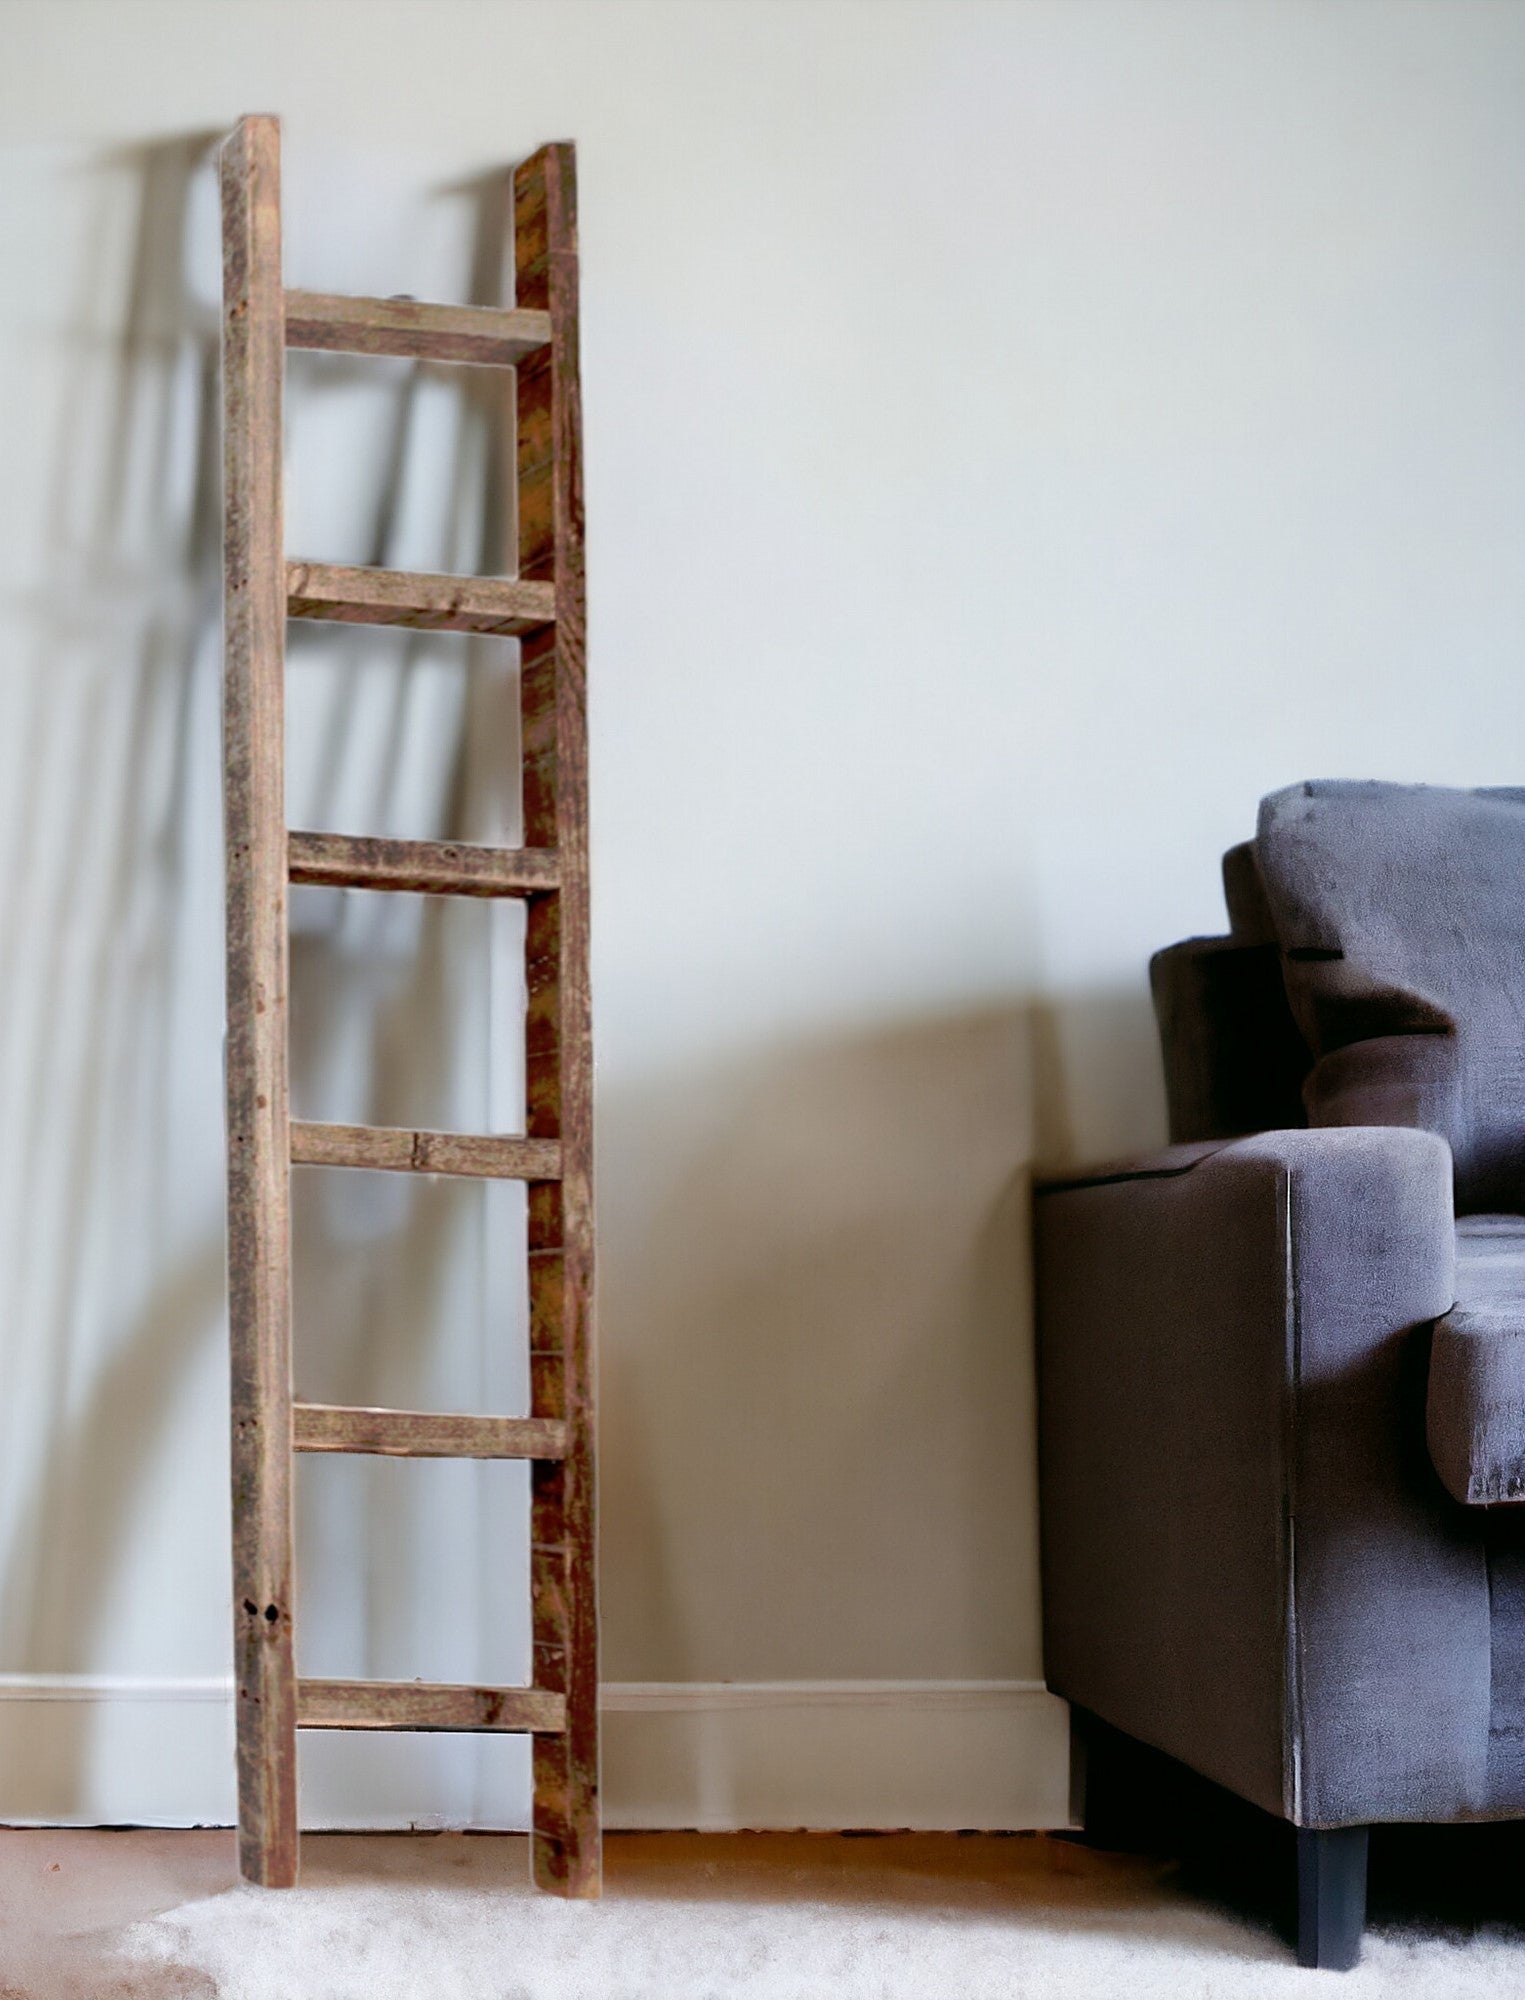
pixel 1234 1057
pixel 1234 1060
pixel 1503 1537
pixel 1248 1560
pixel 1251 1561
pixel 1244 893
pixel 1476 1408
pixel 1401 917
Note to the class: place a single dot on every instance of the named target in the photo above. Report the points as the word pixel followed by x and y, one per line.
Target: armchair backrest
pixel 1374 975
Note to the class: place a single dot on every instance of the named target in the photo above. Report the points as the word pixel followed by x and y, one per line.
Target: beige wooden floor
pixel 67 1897
pixel 142 1915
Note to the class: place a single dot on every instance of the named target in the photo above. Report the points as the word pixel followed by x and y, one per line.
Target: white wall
pixel 1018 436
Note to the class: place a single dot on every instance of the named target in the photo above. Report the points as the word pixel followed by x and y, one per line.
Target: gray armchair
pixel 1282 1364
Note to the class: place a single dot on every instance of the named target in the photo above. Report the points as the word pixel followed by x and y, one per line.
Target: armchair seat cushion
pixel 1475 1417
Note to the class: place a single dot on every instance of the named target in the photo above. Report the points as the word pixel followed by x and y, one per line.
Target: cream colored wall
pixel 1018 436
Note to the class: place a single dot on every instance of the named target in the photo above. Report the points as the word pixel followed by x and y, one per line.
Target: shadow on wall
pixel 113 1269
pixel 817 1396
pixel 113 1480
pixel 818 1426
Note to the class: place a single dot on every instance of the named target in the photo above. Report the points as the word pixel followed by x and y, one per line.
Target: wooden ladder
pixel 544 607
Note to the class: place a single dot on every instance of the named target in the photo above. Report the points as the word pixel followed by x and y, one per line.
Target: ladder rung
pixel 492 337
pixel 425 1705
pixel 344 861
pixel 395 1149
pixel 421 600
pixel 425 1433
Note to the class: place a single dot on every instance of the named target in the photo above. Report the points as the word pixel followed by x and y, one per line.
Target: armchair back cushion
pixel 1400 913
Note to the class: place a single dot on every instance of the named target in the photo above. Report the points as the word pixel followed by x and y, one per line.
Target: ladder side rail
pixel 259 1264
pixel 558 1035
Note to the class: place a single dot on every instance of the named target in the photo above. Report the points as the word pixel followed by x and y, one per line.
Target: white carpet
pixel 808 1918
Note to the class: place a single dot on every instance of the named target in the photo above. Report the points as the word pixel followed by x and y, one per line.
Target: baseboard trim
pixel 668 1697
pixel 721 1756
pixel 88 1749
pixel 114 1687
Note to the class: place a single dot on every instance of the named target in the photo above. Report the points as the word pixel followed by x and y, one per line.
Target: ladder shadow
pixel 747 1258
pixel 112 1288
pixel 112 1257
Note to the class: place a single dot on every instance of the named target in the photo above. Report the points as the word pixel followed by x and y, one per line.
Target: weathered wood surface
pixel 396 1149
pixel 425 867
pixel 558 1031
pixel 425 1433
pixel 259 1286
pixel 419 601
pixel 425 1705
pixel 545 605
pixel 484 335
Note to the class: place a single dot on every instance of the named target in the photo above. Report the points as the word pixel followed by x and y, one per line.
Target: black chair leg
pixel 1331 1896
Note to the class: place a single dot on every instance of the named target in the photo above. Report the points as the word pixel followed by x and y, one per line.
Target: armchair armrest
pixel 1248 1560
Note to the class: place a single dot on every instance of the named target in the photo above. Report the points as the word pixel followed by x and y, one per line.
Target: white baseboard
pixel 924 1754
pixel 98 1750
